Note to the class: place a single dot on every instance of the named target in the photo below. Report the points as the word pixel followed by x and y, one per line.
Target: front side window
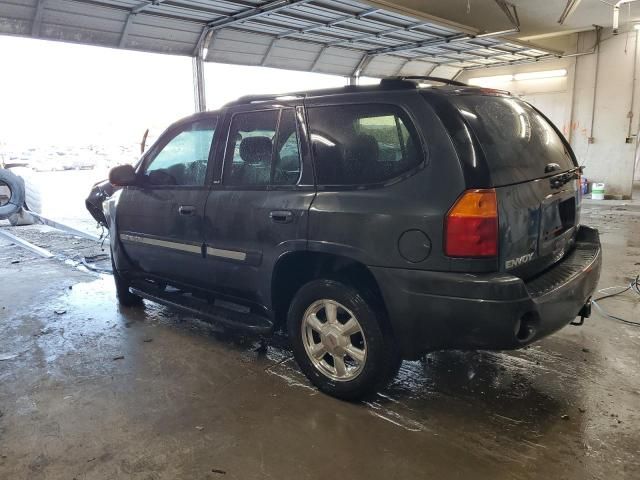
pixel 183 160
pixel 362 144
pixel 263 149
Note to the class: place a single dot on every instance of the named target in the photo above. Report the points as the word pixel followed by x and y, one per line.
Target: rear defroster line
pixel 634 287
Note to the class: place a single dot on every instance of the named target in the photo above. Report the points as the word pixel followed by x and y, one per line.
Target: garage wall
pixel 568 102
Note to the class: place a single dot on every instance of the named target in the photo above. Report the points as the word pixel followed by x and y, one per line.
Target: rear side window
pixel 263 149
pixel 517 141
pixel 362 144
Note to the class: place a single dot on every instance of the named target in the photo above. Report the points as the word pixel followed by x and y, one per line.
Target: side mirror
pixel 122 176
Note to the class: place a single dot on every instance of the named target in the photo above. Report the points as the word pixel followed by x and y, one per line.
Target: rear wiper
pixel 551 167
pixel 564 178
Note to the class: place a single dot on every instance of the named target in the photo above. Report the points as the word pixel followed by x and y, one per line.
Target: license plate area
pixel 558 224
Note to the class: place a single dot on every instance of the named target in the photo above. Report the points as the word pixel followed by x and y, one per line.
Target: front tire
pixel 340 340
pixel 124 295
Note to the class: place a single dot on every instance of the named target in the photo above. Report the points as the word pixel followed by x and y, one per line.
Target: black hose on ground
pixel 634 287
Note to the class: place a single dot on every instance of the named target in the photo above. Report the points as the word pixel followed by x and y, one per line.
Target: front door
pixel 258 209
pixel 160 220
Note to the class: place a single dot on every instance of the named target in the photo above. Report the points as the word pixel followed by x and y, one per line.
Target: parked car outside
pixel 373 223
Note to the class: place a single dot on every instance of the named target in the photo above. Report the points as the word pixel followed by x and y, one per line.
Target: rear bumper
pixel 435 310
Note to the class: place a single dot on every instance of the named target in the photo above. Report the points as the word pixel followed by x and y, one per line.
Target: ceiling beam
pixel 405 47
pixel 37 18
pixel 254 12
pixel 515 62
pixel 125 30
pixel 362 65
pixel 320 25
pixel 402 65
pixel 391 31
pixel 142 6
pixel 316 60
pixel 568 10
pixel 268 52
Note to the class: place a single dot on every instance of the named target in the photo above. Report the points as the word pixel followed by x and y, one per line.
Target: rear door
pixel 258 207
pixel 536 179
pixel 160 220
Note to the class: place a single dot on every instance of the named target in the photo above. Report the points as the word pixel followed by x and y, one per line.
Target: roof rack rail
pixel 247 99
pixel 424 78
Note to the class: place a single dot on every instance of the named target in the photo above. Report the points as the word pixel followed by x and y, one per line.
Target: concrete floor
pixel 92 391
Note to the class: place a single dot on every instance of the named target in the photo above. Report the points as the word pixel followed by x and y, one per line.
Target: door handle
pixel 186 210
pixel 281 216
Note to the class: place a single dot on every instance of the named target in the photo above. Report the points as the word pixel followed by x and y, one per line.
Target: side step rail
pixel 248 322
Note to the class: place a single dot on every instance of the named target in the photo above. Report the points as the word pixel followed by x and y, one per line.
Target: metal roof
pixel 327 36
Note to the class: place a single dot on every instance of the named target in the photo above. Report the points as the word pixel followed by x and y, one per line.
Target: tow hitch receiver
pixel 585 312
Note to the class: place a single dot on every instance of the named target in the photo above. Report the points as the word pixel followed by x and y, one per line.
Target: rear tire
pixel 124 295
pixel 340 340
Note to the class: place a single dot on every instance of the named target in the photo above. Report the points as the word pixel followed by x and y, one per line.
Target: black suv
pixel 376 223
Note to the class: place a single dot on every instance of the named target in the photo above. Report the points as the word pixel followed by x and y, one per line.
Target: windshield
pixel 517 141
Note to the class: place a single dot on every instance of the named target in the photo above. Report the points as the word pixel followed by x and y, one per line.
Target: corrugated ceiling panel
pixel 417 67
pixel 73 22
pixel 149 32
pixel 327 36
pixel 240 48
pixel 384 66
pixel 338 61
pixel 445 71
pixel 202 13
pixel 16 19
pixel 285 51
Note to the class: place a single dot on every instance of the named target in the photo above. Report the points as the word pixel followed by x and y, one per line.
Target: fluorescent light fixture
pixel 491 80
pixel 636 26
pixel 540 75
pixel 497 79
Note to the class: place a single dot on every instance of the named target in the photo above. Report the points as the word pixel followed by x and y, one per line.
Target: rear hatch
pixel 535 176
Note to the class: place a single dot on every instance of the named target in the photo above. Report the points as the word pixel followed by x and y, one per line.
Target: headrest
pixel 365 148
pixel 256 150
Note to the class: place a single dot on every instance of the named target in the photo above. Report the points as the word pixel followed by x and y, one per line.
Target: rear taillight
pixel 471 226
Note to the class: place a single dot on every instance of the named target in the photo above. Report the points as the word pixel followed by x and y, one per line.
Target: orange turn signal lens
pixel 471 226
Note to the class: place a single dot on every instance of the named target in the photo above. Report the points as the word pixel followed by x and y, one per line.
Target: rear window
pixel 362 144
pixel 517 141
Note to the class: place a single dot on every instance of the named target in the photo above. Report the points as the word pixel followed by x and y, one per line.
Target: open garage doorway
pixel 89 107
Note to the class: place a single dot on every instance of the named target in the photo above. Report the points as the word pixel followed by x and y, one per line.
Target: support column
pixel 199 54
pixel 357 72
pixel 199 96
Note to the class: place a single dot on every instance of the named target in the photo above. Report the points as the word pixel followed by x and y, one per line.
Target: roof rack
pixel 404 81
pixel 446 81
pixel 247 99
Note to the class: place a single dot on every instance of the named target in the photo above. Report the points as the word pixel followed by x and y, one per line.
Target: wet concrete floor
pixel 89 390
